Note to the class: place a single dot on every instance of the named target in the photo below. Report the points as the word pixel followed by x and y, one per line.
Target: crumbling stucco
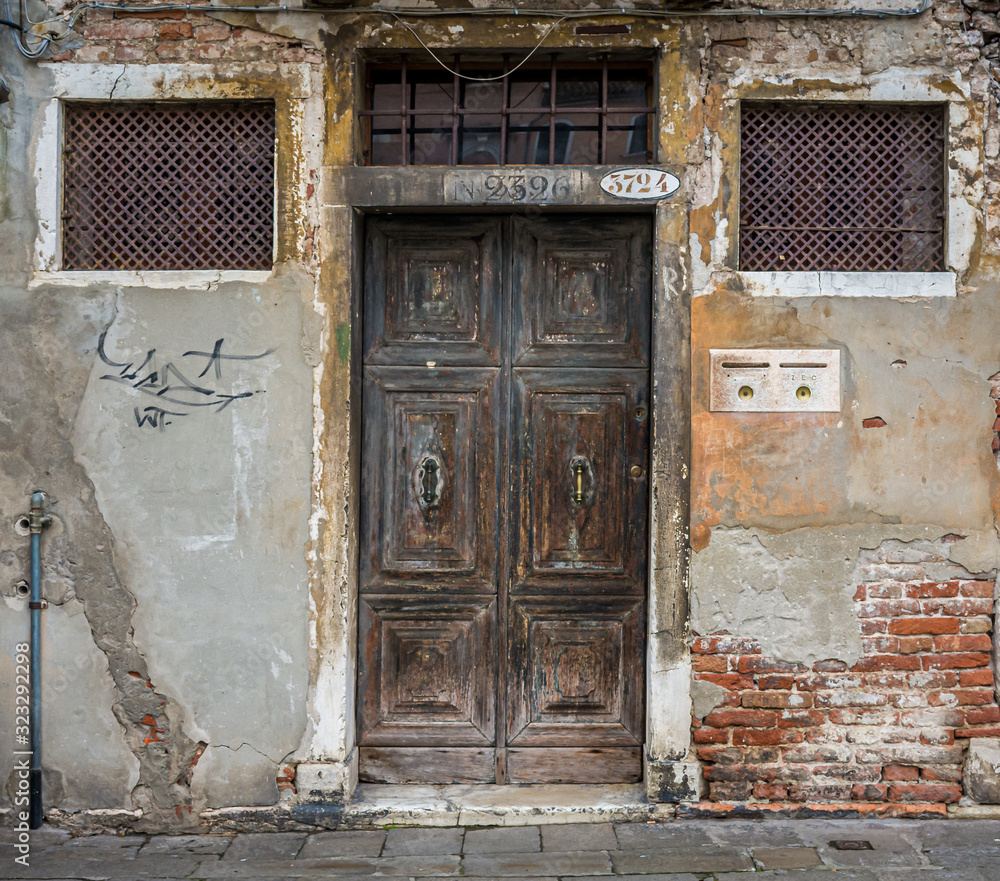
pixel 794 591
pixel 208 507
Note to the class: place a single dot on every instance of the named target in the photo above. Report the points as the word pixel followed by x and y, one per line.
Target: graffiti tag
pixel 173 393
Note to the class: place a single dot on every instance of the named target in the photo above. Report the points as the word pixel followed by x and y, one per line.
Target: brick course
pixel 889 729
pixel 175 35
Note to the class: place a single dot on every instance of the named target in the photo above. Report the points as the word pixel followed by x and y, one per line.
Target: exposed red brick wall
pixel 177 36
pixel 889 729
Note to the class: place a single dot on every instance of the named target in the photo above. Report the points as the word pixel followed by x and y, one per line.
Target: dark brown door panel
pixel 431 457
pixel 432 292
pixel 582 292
pixel 572 670
pixel 428 675
pixel 426 764
pixel 579 467
pixel 575 765
pixel 503 521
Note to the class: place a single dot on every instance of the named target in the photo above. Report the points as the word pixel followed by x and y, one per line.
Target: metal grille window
pixel 842 187
pixel 162 186
pixel 554 113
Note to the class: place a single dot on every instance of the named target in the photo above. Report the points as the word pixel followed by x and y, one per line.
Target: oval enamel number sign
pixel 639 183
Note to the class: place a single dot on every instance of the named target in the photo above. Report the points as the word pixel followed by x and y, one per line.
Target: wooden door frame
pixel 669 771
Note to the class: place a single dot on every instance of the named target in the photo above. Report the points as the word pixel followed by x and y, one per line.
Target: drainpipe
pixel 37 521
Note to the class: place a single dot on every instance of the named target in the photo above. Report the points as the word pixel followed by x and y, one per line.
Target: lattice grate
pixel 168 186
pixel 845 188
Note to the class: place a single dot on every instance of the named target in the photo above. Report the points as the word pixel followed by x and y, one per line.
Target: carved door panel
pixel 428 614
pixel 504 496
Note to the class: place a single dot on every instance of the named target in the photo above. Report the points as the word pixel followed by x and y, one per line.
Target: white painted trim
pixel 964 187
pixel 898 285
pixel 48 187
pixel 139 82
pixel 196 279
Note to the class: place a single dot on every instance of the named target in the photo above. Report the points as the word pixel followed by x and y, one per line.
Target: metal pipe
pixel 37 521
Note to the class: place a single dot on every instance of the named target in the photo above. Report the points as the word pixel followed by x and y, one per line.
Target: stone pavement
pixel 681 850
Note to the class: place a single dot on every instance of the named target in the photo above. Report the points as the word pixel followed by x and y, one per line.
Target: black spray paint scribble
pixel 175 395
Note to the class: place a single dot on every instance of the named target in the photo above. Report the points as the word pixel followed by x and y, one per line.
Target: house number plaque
pixel 540 185
pixel 640 183
pixel 530 186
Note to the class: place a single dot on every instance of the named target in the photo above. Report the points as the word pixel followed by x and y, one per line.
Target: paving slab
pixel 785 857
pixel 883 834
pixel 685 876
pixel 404 842
pixel 956 857
pixel 314 873
pixel 529 865
pixel 879 857
pixel 930 874
pixel 106 842
pixel 44 837
pixel 801 875
pixel 284 876
pixel 318 873
pixel 579 837
pixel 265 846
pixel 503 839
pixel 760 833
pixel 185 844
pixel 707 858
pixel 410 865
pixel 958 833
pixel 660 836
pixel 79 866
pixel 356 843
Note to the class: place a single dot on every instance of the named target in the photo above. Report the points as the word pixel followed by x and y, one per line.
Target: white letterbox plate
pixel 775 380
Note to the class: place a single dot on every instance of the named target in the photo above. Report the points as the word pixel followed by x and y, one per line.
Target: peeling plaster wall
pixel 176 663
pixel 789 511
pixel 208 516
pixel 794 592
pixel 782 504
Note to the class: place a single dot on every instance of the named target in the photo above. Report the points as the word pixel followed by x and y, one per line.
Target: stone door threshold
pixel 376 805
pixel 517 805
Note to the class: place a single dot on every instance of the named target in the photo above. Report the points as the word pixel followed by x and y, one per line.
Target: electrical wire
pixel 484 79
pixel 18 33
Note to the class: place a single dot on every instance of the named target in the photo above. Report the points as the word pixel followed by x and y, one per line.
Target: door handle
pixel 583 474
pixel 579 469
pixel 429 483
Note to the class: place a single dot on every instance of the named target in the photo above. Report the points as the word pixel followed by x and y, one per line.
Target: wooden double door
pixel 504 499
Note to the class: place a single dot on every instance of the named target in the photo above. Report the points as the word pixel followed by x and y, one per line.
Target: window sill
pixel 195 279
pixel 897 285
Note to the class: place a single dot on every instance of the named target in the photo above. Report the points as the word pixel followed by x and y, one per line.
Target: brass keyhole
pixel 803 393
pixel 745 393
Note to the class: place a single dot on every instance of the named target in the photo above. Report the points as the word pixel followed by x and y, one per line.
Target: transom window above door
pixel 503 112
